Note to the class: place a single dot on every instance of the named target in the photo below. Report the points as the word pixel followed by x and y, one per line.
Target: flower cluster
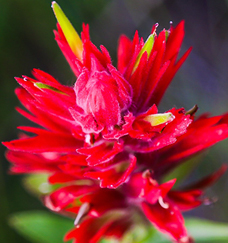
pixel 104 141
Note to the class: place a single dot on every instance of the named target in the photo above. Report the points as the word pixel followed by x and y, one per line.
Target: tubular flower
pixel 103 140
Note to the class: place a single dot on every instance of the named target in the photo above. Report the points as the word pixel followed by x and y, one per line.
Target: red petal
pixel 74 63
pixel 200 135
pixel 112 178
pixel 98 201
pixel 124 53
pixel 98 228
pixel 167 220
pixel 101 153
pixel 30 163
pixel 115 229
pixel 45 141
pixel 166 137
pixel 185 200
pixel 62 197
pixel 61 177
pixel 90 226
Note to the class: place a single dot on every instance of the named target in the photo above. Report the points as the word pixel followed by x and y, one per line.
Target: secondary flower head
pixel 103 141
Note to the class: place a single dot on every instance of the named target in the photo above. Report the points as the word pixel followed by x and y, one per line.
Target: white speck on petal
pixel 162 203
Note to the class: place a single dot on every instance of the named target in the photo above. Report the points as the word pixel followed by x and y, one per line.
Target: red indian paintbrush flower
pixel 104 141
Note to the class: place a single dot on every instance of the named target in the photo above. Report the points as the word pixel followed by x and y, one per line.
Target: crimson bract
pixel 104 141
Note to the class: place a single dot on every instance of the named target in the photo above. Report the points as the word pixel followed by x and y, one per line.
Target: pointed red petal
pixel 112 178
pixel 167 220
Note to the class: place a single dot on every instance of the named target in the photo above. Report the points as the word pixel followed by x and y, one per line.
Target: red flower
pixel 103 139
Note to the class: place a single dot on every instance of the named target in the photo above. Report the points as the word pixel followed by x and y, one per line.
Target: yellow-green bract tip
pixel 158 119
pixel 69 32
pixel 46 86
pixel 146 48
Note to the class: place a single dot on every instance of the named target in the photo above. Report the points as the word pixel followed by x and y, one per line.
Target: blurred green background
pixel 26 42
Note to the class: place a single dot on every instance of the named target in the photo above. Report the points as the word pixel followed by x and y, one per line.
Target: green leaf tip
pixel 69 32
pixel 158 119
pixel 146 48
pixel 46 86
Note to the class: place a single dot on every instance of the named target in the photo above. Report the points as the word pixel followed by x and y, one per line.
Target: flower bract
pixel 103 140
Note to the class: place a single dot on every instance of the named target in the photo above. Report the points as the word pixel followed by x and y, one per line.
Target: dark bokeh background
pixel 26 41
